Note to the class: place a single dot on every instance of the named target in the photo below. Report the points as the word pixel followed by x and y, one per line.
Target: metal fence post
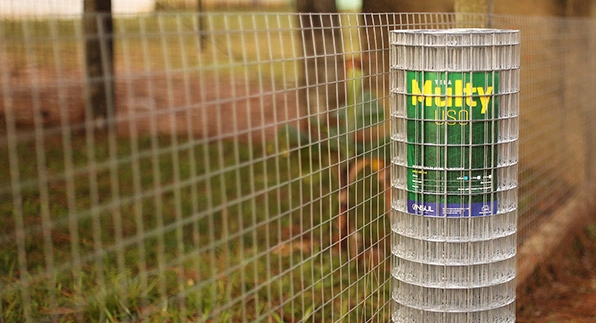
pixel 454 115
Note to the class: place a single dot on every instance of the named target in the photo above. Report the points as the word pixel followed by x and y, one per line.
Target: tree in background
pixel 99 58
pixel 324 71
pixel 374 41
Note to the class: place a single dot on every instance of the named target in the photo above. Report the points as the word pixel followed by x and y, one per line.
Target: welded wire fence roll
pixel 454 115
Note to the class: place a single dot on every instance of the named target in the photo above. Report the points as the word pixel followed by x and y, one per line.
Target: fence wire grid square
pixel 242 171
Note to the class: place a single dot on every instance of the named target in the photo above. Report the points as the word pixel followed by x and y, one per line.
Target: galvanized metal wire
pixel 218 191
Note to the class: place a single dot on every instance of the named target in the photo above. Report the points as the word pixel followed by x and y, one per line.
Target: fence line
pixel 244 176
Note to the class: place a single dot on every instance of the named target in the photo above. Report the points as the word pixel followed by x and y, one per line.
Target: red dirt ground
pixel 565 289
pixel 161 104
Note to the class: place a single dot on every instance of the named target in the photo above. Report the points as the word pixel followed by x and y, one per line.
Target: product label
pixel 452 132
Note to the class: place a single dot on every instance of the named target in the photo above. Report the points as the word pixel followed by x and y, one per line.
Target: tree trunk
pixel 323 77
pixel 201 22
pixel 99 57
pixel 376 25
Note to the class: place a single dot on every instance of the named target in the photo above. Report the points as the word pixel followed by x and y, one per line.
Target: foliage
pixel 362 112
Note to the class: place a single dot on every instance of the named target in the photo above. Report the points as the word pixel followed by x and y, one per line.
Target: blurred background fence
pixel 240 171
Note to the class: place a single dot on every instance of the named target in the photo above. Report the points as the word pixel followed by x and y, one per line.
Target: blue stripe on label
pixel 452 210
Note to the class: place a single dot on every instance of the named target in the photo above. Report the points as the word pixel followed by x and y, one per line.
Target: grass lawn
pixel 171 229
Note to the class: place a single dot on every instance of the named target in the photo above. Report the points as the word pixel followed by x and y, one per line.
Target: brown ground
pixel 163 104
pixel 565 289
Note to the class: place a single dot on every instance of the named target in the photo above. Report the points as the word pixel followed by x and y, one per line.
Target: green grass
pixel 261 48
pixel 256 49
pixel 174 230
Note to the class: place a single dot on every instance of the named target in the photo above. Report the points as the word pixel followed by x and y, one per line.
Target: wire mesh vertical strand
pixel 454 135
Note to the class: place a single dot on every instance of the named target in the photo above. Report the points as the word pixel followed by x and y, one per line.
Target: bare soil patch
pixel 564 290
pixel 165 104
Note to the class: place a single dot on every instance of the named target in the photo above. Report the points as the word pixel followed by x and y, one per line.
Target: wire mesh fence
pixel 242 173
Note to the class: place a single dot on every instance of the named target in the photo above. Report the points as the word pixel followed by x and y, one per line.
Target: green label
pixel 451 132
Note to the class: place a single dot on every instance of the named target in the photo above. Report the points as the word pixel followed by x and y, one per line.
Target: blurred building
pixel 17 8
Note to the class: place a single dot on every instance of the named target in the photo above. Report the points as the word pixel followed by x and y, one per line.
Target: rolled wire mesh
pixel 454 177
pixel 218 192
